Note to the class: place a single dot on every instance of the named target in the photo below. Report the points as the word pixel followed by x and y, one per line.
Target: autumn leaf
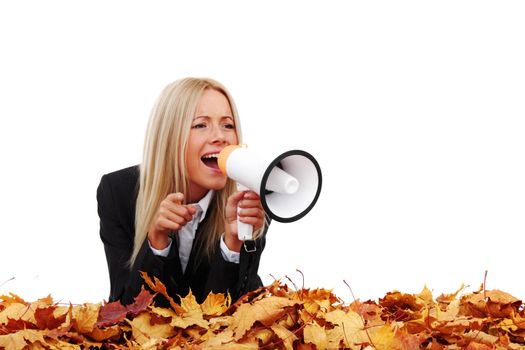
pixel 266 311
pixel 111 313
pixel 157 286
pixel 141 302
pixel 143 331
pixel 45 318
pixel 215 304
pixel 349 327
pixel 86 317
pixel 316 335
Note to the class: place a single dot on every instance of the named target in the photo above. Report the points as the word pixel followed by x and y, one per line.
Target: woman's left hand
pixel 251 212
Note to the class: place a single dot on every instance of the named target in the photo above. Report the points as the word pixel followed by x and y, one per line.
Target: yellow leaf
pixel 192 314
pixel 451 312
pixel 264 335
pixel 17 311
pixel 349 327
pixel 285 335
pixel 315 334
pixel 383 338
pixel 13 341
pixel 21 338
pixel 143 331
pixel 212 340
pixel 86 317
pixel 215 304
pixel 266 311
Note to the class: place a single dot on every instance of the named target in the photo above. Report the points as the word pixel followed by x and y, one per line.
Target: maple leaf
pixel 13 341
pixel 103 334
pixel 141 302
pixel 143 331
pixel 266 311
pixel 12 298
pixel 285 335
pixel 45 318
pixel 215 304
pixel 86 317
pixel 157 286
pixel 16 311
pixel 316 335
pixel 191 313
pixel 212 340
pixel 263 335
pixel 111 313
pixel 349 327
pixel 21 339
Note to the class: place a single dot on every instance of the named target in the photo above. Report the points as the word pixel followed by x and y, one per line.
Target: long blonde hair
pixel 163 169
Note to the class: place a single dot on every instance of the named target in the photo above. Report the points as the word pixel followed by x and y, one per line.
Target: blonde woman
pixel 175 215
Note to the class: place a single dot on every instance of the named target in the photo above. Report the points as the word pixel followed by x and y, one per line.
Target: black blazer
pixel 117 198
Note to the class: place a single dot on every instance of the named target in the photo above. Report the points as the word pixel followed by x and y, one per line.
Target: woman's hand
pixel 171 216
pixel 251 212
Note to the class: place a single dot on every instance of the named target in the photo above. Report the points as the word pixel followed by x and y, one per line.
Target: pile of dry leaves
pixel 273 317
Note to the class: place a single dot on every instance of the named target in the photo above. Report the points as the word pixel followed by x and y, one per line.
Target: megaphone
pixel 288 184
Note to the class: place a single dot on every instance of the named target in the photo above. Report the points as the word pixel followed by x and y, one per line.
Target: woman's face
pixel 212 129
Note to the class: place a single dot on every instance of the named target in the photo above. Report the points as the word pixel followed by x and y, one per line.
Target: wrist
pixel 158 240
pixel 232 242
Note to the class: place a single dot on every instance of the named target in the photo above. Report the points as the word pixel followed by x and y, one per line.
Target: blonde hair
pixel 163 169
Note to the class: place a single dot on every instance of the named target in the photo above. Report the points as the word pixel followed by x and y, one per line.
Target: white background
pixel 414 109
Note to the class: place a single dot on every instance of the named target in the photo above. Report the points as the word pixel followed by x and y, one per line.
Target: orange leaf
pixel 215 304
pixel 45 318
pixel 159 287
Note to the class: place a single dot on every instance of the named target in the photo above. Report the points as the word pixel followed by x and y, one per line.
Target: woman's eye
pixel 229 126
pixel 199 126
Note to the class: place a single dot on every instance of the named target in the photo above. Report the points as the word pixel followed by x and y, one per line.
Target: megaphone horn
pixel 288 185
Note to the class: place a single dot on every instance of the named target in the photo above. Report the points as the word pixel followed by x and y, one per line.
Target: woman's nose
pixel 217 134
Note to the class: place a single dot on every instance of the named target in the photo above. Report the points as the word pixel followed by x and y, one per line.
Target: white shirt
pixel 187 235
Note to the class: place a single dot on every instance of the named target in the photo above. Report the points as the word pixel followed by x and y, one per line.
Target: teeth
pixel 215 155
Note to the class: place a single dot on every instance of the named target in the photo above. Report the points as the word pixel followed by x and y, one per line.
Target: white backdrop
pixel 415 111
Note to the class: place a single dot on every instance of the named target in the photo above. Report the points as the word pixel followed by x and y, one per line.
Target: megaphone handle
pixel 244 231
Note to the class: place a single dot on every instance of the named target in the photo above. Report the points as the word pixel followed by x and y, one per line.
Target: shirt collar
pixel 204 204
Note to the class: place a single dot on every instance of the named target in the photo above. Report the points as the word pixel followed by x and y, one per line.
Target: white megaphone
pixel 288 185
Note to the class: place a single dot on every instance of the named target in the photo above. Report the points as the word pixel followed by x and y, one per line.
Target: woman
pixel 146 223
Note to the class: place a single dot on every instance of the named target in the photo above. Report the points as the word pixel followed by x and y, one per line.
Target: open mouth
pixel 210 160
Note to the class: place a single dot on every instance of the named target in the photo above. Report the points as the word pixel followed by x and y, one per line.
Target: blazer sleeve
pixel 248 278
pixel 236 279
pixel 117 234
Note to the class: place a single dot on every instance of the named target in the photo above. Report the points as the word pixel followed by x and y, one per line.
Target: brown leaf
pixel 141 302
pixel 16 325
pixel 111 313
